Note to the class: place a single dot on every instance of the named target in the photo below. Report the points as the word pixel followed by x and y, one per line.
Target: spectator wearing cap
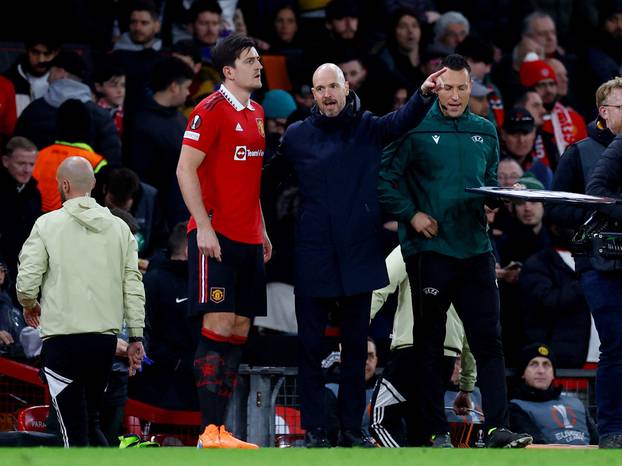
pixel 518 136
pixel 540 409
pixel 67 78
pixel 480 57
pixel 278 105
pixel 29 74
pixel 604 56
pixel 478 101
pixel 451 29
pixel 562 126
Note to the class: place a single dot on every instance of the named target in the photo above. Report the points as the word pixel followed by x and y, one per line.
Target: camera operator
pixel 603 284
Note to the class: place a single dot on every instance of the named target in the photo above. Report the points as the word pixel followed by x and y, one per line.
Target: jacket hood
pixel 599 132
pixel 126 43
pixel 88 213
pixel 65 89
pixel 351 110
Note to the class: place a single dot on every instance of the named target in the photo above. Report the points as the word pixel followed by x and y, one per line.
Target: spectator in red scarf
pixel 562 125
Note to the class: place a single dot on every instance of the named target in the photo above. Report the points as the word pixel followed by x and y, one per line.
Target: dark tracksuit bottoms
pixel 76 369
pixel 436 281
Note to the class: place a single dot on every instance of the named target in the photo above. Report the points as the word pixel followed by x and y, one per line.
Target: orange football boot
pixel 210 438
pixel 229 441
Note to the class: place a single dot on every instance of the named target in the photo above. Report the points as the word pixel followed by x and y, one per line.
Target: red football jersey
pixel 232 137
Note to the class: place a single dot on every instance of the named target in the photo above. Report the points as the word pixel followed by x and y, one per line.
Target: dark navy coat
pixel 338 248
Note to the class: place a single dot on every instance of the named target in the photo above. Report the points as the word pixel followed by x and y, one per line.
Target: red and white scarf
pixel 563 127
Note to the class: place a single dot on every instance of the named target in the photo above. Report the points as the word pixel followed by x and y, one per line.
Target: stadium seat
pixel 33 418
pixel 275 69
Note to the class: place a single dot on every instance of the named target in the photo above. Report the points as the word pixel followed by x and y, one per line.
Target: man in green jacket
pixel 442 232
pixel 82 260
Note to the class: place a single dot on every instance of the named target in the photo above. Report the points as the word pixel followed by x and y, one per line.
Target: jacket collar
pixel 436 111
pixel 235 103
pixel 349 111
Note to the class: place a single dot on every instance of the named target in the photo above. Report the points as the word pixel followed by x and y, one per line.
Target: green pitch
pixel 302 457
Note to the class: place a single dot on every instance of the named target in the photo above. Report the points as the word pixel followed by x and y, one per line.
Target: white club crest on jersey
pixel 478 138
pixel 436 138
pixel 238 127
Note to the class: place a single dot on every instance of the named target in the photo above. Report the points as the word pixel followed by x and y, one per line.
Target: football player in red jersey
pixel 219 173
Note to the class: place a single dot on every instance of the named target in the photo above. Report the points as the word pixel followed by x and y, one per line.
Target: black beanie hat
pixel 533 351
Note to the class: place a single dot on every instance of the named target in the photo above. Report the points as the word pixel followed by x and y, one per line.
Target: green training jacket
pixel 427 171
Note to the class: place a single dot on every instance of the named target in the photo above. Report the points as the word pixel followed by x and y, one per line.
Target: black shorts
pixel 237 284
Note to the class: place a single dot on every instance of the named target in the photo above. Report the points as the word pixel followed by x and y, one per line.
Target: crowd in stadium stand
pixel 115 83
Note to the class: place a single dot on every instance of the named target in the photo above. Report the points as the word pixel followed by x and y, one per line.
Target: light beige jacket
pixel 83 260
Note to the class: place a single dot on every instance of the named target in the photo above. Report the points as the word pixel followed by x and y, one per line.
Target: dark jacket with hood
pixel 554 308
pixel 570 176
pixel 153 145
pixel 338 249
pixel 38 121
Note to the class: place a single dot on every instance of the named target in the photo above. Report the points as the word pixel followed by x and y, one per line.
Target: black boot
pixel 353 438
pixel 316 438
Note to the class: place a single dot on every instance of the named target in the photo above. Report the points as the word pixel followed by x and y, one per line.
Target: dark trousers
pixel 470 284
pixel 312 316
pixel 603 293
pixel 76 369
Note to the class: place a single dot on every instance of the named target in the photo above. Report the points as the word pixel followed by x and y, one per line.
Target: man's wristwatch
pixel 135 339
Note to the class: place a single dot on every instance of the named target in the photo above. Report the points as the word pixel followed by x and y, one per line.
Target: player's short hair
pixel 605 89
pixel 228 50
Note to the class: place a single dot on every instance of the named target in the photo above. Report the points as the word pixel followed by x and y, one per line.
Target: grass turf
pixel 302 457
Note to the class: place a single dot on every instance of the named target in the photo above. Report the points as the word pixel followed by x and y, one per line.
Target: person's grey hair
pixel 526 29
pixel 451 17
